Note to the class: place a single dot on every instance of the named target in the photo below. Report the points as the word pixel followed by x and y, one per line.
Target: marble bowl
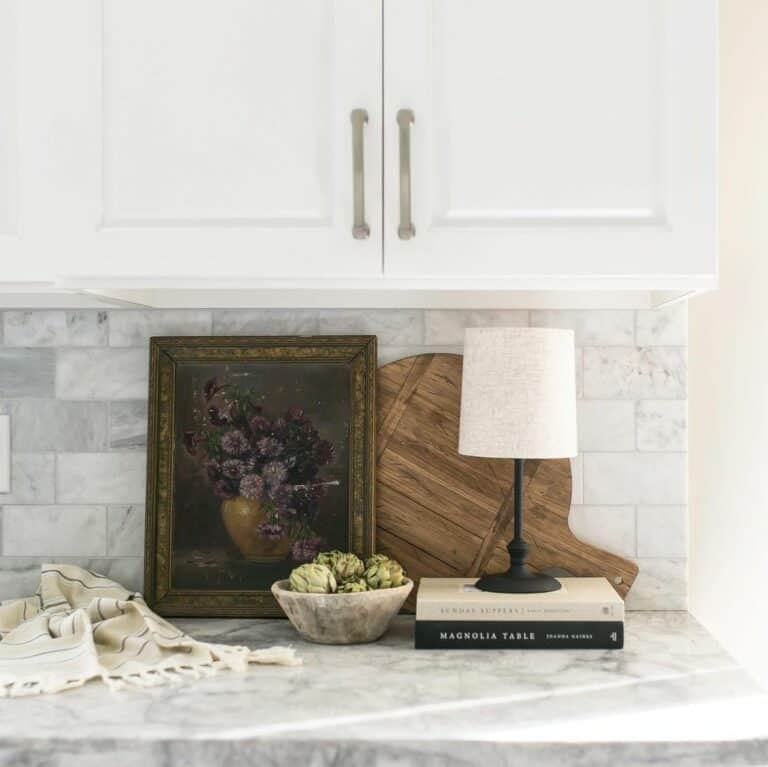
pixel 341 618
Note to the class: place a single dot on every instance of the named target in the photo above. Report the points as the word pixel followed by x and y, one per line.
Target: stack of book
pixel 452 614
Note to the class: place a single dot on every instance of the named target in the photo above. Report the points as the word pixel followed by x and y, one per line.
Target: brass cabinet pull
pixel 360 229
pixel 405 119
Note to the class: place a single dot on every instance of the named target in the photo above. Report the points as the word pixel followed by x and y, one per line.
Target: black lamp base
pixel 518 580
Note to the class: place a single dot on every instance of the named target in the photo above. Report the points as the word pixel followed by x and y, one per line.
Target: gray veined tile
pixel 125 530
pixel 663 327
pixel 445 327
pixel 662 425
pixel 19 576
pixel 134 328
pixel 662 584
pixel 32 479
pixel 393 327
pixel 39 425
pixel 599 327
pixel 55 328
pixel 54 531
pixel 632 373
pixel 87 374
pixel 265 322
pixel 606 425
pixel 113 478
pixel 609 527
pixel 128 425
pixel 635 478
pixel 27 372
pixel 579 361
pixel 662 531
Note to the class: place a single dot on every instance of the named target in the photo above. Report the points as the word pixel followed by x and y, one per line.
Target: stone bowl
pixel 341 618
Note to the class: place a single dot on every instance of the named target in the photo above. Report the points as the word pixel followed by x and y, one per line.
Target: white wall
pixel 729 362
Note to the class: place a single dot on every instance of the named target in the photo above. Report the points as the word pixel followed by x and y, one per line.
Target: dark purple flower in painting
pixel 222 489
pixel 279 424
pixel 281 495
pixel 234 468
pixel 269 447
pixel 306 549
pixel 295 414
pixel 251 486
pixel 274 473
pixel 259 424
pixel 323 452
pixel 270 531
pixel 234 442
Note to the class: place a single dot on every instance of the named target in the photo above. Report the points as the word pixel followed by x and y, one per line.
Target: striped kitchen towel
pixel 81 626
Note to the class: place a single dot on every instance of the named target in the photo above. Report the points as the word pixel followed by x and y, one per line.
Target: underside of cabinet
pixel 331 296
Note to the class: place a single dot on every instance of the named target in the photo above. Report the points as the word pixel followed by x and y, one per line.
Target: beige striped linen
pixel 81 626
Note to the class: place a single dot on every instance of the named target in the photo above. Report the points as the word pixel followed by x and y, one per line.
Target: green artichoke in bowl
pixel 374 559
pixel 328 558
pixel 312 579
pixel 385 574
pixel 353 587
pixel 348 567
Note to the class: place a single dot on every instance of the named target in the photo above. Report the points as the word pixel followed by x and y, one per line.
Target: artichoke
pixel 348 567
pixel 328 558
pixel 385 575
pixel 353 587
pixel 312 579
pixel 374 559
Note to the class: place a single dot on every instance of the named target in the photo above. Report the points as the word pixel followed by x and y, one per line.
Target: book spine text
pixel 497 635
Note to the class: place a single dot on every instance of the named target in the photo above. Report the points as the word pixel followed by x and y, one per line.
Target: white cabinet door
pixel 553 139
pixel 207 138
pixel 10 230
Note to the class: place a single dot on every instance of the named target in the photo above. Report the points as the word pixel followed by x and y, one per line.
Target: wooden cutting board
pixel 439 512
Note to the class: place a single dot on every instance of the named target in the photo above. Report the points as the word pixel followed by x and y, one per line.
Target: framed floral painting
pixel 260 455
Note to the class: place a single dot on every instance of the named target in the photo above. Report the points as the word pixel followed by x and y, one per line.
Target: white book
pixel 457 599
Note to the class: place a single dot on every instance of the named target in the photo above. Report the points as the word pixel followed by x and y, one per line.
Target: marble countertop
pixel 672 696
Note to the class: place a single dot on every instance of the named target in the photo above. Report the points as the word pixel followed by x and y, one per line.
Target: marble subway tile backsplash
pixel 75 386
pixel 102 374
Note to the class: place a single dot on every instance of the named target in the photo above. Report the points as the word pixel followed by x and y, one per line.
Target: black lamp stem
pixel 519 579
pixel 519 498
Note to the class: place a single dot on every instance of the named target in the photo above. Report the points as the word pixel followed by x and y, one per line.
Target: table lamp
pixel 518 400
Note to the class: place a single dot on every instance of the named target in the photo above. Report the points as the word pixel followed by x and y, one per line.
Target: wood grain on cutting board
pixel 441 513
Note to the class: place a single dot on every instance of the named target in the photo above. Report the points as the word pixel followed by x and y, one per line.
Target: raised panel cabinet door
pixel 549 139
pixel 210 138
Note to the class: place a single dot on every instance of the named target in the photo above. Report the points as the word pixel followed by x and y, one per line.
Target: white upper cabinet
pixel 411 144
pixel 551 140
pixel 9 142
pixel 206 138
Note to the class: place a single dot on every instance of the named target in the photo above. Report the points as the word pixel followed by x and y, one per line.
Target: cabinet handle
pixel 360 229
pixel 405 119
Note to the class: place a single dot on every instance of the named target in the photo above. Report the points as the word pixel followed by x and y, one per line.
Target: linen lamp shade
pixel 518 396
pixel 518 400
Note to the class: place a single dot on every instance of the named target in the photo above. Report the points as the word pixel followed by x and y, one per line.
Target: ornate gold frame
pixel 358 353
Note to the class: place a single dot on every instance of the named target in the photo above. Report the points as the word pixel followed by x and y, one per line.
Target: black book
pixel 517 635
